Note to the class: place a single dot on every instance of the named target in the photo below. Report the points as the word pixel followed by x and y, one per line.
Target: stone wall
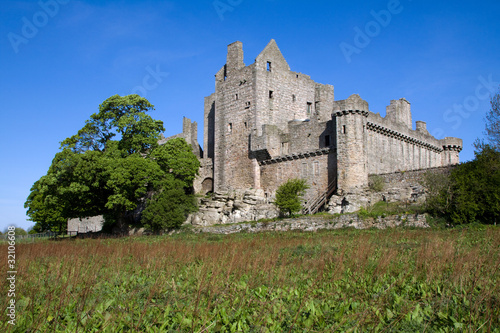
pixel 315 167
pixel 320 223
pixel 408 185
pixel 86 224
pixel 393 145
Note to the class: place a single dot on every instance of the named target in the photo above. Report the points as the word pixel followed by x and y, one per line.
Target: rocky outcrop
pixel 315 223
pixel 233 207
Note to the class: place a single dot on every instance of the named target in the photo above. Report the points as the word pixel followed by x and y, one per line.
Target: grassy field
pixel 398 280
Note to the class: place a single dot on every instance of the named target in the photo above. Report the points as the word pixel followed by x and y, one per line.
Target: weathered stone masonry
pixel 265 124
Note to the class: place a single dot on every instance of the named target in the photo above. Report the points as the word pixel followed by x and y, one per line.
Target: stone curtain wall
pixel 390 151
pixel 393 145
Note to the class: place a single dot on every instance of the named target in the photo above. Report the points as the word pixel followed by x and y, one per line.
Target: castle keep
pixel 265 124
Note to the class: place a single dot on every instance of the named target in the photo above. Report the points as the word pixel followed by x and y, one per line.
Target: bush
pixel 471 193
pixel 289 194
pixel 20 231
pixel 376 183
pixel 169 208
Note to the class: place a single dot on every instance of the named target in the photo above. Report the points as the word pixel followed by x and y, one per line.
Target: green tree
pixel 470 193
pixel 176 157
pixel 46 215
pixel 289 195
pixel 476 188
pixel 439 193
pixel 170 207
pixel 493 122
pixel 109 167
pixel 124 117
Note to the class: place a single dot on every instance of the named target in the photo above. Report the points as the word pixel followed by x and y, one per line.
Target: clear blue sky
pixel 61 58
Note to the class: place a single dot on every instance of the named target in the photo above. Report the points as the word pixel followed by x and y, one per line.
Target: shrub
pixel 376 183
pixel 289 194
pixel 169 208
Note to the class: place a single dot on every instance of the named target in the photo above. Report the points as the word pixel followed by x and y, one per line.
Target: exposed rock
pixel 233 207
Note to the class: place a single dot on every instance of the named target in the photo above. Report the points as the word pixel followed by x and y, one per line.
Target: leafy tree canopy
pixel 124 117
pixel 109 167
pixel 176 157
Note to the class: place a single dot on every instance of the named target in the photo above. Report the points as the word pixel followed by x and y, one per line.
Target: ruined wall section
pixel 209 126
pixel 189 134
pixel 234 118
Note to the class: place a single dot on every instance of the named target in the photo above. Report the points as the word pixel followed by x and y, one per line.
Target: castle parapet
pixel 353 103
pixel 451 147
pixel 450 143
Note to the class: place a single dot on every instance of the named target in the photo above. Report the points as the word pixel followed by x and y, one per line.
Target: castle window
pixel 303 170
pixel 268 66
pixel 344 131
pixel 309 108
pixel 316 168
pixel 236 96
pixel 230 127
pixel 246 125
pixel 327 140
pixel 294 98
pixel 247 105
pixel 270 94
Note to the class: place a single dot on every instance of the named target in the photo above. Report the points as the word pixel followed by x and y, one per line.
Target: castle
pixel 265 124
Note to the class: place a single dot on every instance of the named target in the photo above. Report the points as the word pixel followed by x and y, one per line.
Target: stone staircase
pixel 314 204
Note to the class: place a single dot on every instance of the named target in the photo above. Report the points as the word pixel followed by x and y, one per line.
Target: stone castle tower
pixel 265 124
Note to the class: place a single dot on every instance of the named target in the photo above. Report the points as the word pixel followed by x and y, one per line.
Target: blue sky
pixel 61 58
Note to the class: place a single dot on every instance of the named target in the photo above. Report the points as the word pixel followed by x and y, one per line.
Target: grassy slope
pixel 346 280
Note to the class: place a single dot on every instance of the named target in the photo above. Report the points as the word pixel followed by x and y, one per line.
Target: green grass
pixel 384 209
pixel 394 280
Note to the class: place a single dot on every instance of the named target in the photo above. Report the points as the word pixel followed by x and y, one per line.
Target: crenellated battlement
pixel 402 137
